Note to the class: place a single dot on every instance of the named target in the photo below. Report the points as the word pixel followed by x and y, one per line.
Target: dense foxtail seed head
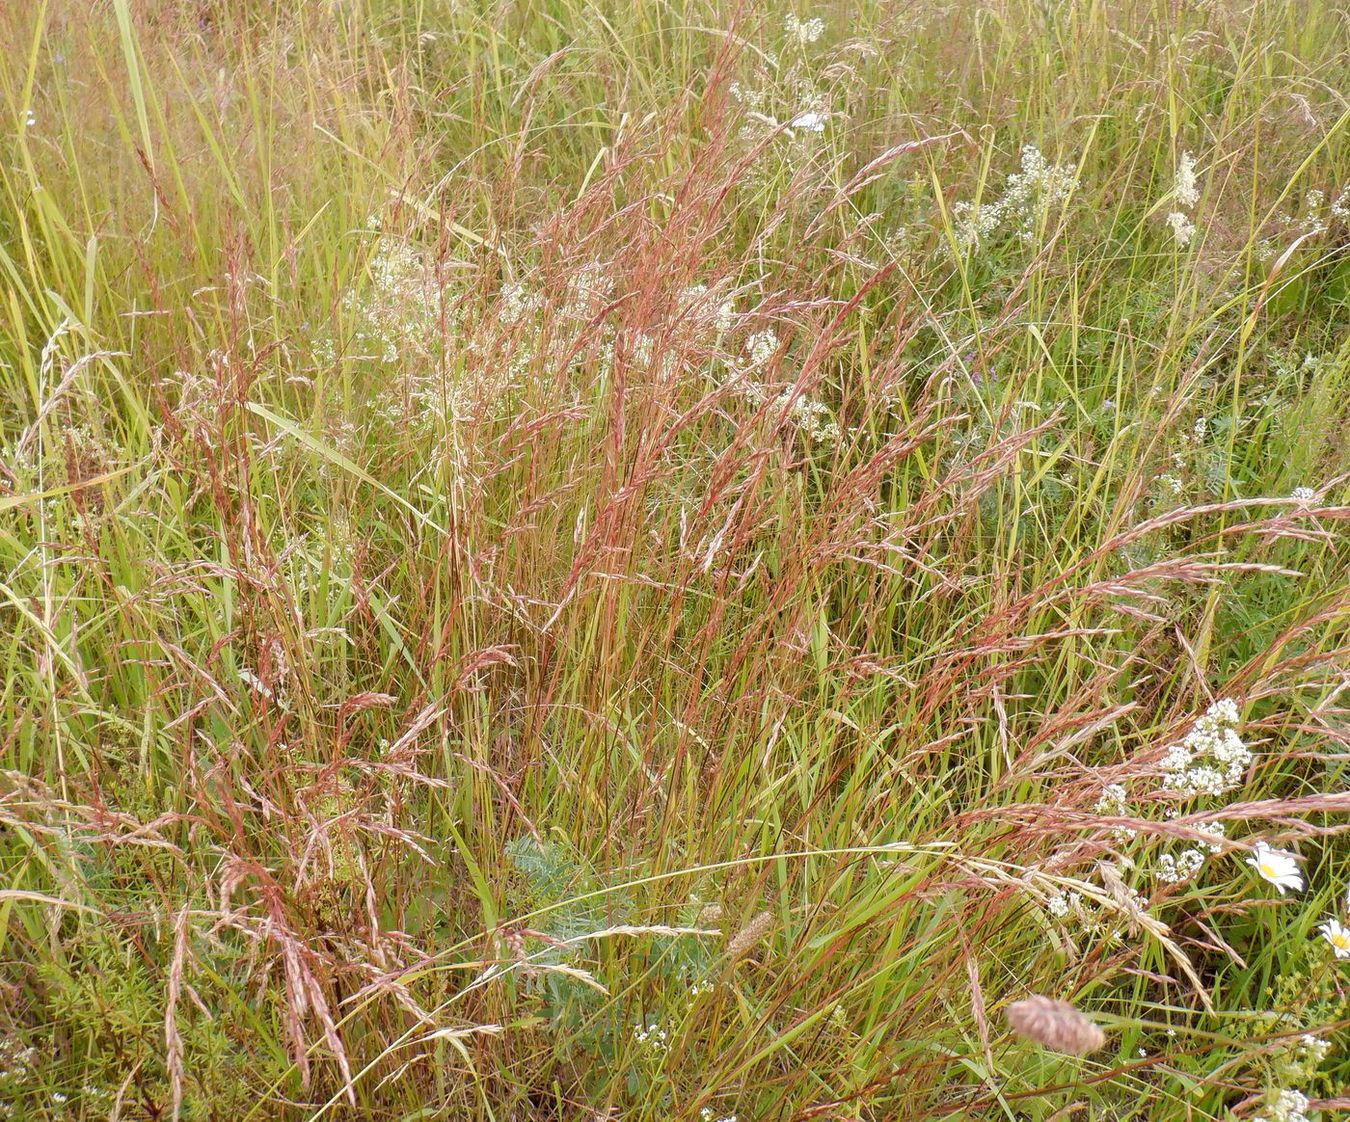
pixel 1056 1025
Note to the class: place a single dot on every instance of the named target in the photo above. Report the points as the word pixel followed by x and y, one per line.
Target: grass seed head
pixel 1056 1025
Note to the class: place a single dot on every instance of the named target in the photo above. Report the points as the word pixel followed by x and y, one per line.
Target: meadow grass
pixel 565 560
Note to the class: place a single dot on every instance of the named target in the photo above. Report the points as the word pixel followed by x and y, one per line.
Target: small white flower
pixel 1276 866
pixel 1304 494
pixel 1338 935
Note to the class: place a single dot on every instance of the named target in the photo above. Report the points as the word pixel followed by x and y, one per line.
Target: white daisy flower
pixel 1277 866
pixel 1338 935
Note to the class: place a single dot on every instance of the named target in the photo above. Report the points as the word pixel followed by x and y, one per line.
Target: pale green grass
pixel 432 655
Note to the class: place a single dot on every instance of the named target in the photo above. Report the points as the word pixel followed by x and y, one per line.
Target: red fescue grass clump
pixel 573 569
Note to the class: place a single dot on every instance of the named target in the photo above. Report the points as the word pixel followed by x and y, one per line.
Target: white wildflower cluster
pixel 699 988
pixel 1179 868
pixel 810 417
pixel 897 242
pixel 1304 495
pixel 483 385
pixel 752 99
pixel 653 1036
pixel 1186 191
pixel 723 318
pixel 646 352
pixel 400 311
pixel 804 31
pixel 813 419
pixel 1299 1063
pixel 1340 206
pixel 1313 1049
pixel 1185 194
pixel 1284 1106
pixel 1317 218
pixel 589 289
pixel 1028 196
pixel 643 349
pixel 707 1114
pixel 1183 229
pixel 813 120
pixel 1212 758
pixel 760 348
pixel 1114 803
pixel 404 317
pixel 16 1062
pixel 806 112
pixel 1216 830
pixel 1060 905
pixel 516 302
pixel 1101 913
pixel 1112 799
pixel 810 119
pixel 807 415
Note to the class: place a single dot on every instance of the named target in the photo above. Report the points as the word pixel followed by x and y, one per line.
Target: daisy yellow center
pixel 1341 940
pixel 1269 870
